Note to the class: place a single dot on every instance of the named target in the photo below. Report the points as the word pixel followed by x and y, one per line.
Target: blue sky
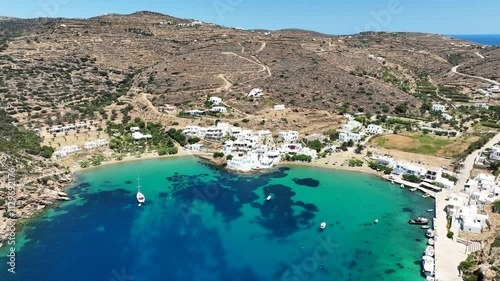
pixel 328 16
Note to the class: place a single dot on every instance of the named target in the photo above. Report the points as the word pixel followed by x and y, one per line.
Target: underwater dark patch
pixel 310 182
pixel 389 271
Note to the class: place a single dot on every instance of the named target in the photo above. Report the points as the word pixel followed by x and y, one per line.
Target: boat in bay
pixel 139 196
pixel 429 233
pixel 426 195
pixel 428 265
pixel 429 251
pixel 413 189
pixel 425 227
pixel 323 225
pixel 430 241
pixel 419 221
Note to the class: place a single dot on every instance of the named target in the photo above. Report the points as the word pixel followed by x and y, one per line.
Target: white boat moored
pixel 430 241
pixel 376 220
pixel 323 225
pixel 140 197
pixel 268 198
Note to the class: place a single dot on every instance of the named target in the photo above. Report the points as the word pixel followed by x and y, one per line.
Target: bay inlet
pixel 203 223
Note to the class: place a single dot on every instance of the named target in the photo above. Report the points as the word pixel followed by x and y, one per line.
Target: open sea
pixel 488 39
pixel 204 223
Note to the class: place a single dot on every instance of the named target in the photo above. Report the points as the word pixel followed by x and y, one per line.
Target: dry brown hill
pixel 73 68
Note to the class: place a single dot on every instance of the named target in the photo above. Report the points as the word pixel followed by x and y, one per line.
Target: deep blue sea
pixel 203 223
pixel 489 39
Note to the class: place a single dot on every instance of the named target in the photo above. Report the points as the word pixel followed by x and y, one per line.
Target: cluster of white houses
pixel 250 150
pixel 72 149
pixel 67 128
pixel 463 208
pixel 355 131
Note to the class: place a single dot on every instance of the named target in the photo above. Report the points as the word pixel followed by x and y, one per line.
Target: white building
pixel 255 93
pixel 471 221
pixel 447 116
pixel 101 142
pixel 195 112
pixel 140 136
pixel 215 100
pixel 289 136
pixel 195 147
pixel 385 160
pixel 495 153
pixel 438 107
pixel 220 109
pixel 345 137
pixel 482 105
pixel 191 131
pixel 135 129
pixel 291 148
pixel 217 132
pixel 66 150
pixel 90 145
pixel 351 125
pixel 279 107
pixel 409 169
pixel 375 129
pixel 494 89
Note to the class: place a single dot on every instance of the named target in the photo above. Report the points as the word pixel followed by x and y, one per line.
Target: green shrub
pixel 412 178
pixel 218 154
pixel 450 234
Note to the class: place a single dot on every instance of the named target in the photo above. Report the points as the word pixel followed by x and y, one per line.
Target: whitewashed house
pixel 134 129
pixel 351 125
pixel 60 154
pixel 482 105
pixel 90 145
pixel 375 129
pixel 195 147
pixel 191 131
pixel 279 107
pixel 345 137
pixel 438 107
pixel 215 100
pixel 217 132
pixel 494 89
pixel 101 142
pixel 220 109
pixel 387 161
pixel 140 136
pixel 471 221
pixel 255 93
pixel 289 136
pixel 447 116
pixel 409 169
pixel 495 153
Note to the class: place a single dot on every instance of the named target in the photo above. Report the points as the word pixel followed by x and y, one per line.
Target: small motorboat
pixel 425 227
pixel 426 195
pixel 430 233
pixel 376 220
pixel 268 198
pixel 402 186
pixel 323 225
pixel 429 251
pixel 419 221
pixel 392 182
pixel 430 210
pixel 413 189
pixel 429 278
pixel 428 264
pixel 430 241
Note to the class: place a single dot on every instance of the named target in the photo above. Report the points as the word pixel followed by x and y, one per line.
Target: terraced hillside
pixel 60 70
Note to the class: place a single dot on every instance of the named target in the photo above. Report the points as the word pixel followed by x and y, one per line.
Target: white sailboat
pixel 140 197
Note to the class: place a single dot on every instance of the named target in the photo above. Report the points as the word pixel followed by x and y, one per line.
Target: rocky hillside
pixel 59 70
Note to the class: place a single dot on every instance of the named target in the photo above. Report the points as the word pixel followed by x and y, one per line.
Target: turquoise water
pixel 203 223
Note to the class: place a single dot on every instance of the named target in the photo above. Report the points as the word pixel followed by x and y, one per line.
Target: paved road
pixel 455 70
pixel 469 163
